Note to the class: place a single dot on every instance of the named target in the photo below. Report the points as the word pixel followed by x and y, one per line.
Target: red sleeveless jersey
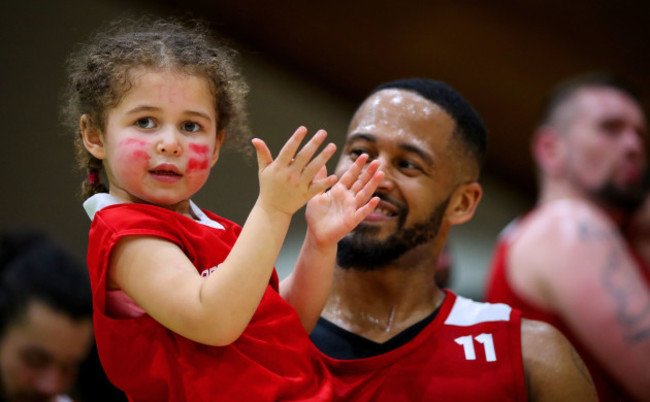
pixel 470 352
pixel 499 290
pixel 272 360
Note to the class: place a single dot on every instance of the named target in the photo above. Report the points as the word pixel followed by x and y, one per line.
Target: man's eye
pixel 145 122
pixel 355 153
pixel 191 126
pixel 406 164
pixel 613 127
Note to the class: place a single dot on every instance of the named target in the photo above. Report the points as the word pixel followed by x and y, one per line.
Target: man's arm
pixel 573 262
pixel 554 370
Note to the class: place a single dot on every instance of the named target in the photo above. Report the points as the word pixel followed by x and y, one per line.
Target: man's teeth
pixel 383 211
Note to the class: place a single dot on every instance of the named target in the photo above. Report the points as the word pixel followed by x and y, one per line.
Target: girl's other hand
pixel 332 215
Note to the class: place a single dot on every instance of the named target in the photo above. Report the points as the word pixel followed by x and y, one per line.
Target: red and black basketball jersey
pixel 469 351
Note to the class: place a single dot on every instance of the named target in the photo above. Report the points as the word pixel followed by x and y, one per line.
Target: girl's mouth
pixel 164 172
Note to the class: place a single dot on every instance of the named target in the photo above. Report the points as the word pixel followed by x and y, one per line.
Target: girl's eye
pixel 191 126
pixel 145 122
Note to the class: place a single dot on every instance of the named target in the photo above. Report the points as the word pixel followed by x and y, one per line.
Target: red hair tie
pixel 93 178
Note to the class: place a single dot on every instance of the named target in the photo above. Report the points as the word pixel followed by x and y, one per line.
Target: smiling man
pixel 388 333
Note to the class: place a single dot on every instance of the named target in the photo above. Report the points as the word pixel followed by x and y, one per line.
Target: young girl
pixel 187 305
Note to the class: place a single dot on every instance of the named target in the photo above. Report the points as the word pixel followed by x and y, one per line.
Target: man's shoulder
pixel 568 211
pixel 467 312
pixel 552 366
pixel 555 227
pixel 540 331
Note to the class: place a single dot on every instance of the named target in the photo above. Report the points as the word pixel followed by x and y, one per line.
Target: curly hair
pixel 99 78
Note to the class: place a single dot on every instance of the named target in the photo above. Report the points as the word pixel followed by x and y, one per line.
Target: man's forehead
pixel 399 110
pixel 600 100
pixel 393 100
pixel 599 103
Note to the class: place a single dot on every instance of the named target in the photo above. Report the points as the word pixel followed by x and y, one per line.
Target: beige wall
pixel 38 181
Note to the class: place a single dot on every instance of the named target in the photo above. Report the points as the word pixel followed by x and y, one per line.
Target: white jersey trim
pixel 102 200
pixel 466 312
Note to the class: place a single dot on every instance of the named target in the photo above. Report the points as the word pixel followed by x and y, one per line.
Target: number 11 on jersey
pixel 468 346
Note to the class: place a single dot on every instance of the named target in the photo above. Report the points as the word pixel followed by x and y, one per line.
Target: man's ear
pixel 217 146
pixel 463 203
pixel 548 150
pixel 91 137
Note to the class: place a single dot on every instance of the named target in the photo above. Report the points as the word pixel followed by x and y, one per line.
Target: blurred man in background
pixel 46 325
pixel 566 262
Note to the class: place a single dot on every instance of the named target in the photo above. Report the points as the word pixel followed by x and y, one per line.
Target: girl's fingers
pixel 290 147
pixel 349 178
pixel 319 186
pixel 301 160
pixel 365 210
pixel 321 181
pixel 305 155
pixel 319 161
pixel 321 174
pixel 369 188
pixel 365 176
pixel 264 157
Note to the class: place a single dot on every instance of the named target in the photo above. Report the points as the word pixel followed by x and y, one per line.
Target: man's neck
pixel 380 304
pixel 558 192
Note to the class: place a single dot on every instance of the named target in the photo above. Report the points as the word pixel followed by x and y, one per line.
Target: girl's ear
pixel 463 203
pixel 91 137
pixel 217 146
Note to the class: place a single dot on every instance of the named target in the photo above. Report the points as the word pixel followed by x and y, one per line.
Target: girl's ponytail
pixel 93 183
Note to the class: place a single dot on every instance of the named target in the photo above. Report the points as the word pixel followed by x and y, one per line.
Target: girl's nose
pixel 173 149
pixel 169 144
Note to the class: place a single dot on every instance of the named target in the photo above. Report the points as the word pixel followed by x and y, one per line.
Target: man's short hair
pixel 469 125
pixel 33 267
pixel 562 92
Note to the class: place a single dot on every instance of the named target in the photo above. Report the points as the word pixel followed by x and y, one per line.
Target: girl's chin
pixel 164 202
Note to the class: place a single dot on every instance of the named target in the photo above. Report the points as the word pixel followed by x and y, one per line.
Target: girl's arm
pixel 330 216
pixel 216 310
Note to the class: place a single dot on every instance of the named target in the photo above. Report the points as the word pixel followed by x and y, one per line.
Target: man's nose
pixel 387 184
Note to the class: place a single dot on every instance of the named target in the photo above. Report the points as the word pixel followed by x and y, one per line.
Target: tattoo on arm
pixel 580 365
pixel 634 317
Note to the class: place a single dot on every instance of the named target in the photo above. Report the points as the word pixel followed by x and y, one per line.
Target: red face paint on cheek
pixel 200 149
pixel 197 164
pixel 134 150
pixel 201 158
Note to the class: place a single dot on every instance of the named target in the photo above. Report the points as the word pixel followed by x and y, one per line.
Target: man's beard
pixel 624 199
pixel 358 251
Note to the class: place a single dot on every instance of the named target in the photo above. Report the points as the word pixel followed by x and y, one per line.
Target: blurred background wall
pixel 311 63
